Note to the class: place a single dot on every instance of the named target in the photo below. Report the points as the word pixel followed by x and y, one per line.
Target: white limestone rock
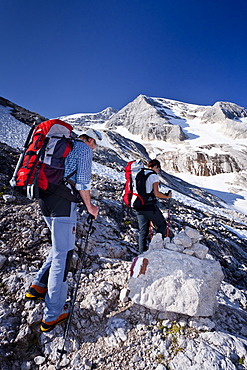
pixel 182 238
pixel 123 297
pixel 160 367
pixel 193 234
pixel 166 240
pixel 174 247
pixel 187 242
pixel 95 193
pixel 188 251
pixel 156 242
pixel 202 324
pixel 24 332
pixel 141 117
pixel 165 280
pixel 34 316
pixel 116 331
pixel 39 360
pixel 211 348
pixel 200 250
pixel 9 198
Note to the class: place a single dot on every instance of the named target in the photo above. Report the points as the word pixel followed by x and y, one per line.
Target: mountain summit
pixel 204 145
pixel 149 119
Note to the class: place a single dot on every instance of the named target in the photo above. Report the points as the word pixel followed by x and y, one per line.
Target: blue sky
pixel 80 56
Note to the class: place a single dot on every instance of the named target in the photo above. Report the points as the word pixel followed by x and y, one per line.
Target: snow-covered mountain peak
pixel 224 110
pixel 189 144
pixel 205 145
pixel 148 118
pixel 89 119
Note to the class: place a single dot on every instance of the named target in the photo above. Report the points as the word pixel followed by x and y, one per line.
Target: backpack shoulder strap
pixel 150 172
pixel 146 176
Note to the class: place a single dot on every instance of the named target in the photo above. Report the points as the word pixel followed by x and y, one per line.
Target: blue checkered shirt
pixel 80 159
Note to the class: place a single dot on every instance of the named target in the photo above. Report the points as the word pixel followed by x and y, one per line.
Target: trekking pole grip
pixel 90 218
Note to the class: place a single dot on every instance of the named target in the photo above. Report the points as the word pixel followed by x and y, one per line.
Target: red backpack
pixel 128 189
pixel 42 160
pixel 135 194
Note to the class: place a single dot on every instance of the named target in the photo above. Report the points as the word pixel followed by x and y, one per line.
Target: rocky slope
pixel 22 114
pixel 109 331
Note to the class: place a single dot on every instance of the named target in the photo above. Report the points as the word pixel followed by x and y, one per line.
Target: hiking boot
pixel 36 292
pixel 49 325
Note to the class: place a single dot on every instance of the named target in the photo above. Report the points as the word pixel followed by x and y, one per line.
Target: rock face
pixel 230 116
pixel 86 119
pixel 148 119
pixel 222 110
pixel 22 114
pixel 208 160
pixel 165 120
pixel 167 280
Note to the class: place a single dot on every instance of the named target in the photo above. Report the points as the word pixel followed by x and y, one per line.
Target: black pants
pixel 144 218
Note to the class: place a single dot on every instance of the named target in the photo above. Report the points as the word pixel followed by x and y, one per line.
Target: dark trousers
pixel 144 218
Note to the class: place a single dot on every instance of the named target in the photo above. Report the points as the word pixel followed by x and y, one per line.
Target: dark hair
pixel 84 137
pixel 154 162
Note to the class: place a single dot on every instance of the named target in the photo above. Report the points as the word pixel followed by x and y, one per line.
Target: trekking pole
pixel 66 331
pixel 168 225
pixel 13 179
pixel 150 230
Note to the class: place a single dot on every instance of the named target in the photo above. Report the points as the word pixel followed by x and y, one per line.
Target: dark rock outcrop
pixel 22 114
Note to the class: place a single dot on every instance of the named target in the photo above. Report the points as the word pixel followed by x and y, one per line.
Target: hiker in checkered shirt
pixel 60 215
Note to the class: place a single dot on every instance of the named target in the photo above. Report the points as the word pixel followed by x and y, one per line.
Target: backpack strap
pixel 70 175
pixel 151 172
pixel 33 189
pixel 144 197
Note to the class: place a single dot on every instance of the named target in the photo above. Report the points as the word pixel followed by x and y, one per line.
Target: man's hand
pixel 169 194
pixel 93 210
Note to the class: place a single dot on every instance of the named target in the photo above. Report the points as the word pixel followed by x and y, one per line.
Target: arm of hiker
pixel 158 193
pixel 86 197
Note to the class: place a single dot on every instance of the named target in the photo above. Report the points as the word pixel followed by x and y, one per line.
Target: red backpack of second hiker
pixel 130 193
pixel 42 161
pixel 136 175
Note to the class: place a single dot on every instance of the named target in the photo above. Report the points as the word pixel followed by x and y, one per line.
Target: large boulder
pixel 167 280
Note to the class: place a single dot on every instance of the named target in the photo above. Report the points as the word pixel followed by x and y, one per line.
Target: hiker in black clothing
pixel 150 211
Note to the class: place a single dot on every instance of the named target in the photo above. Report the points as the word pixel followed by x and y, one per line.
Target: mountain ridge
pixel 189 139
